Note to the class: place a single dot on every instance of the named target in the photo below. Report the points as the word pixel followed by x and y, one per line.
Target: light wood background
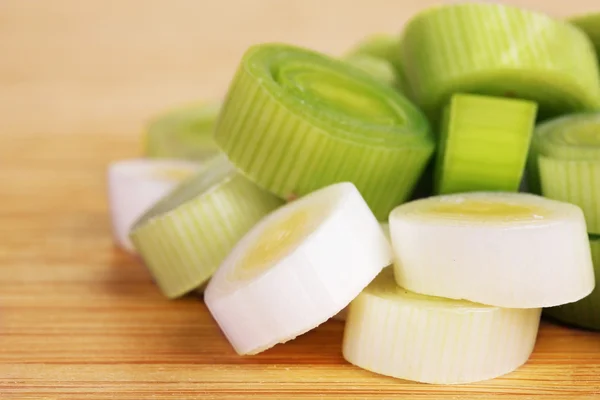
pixel 80 319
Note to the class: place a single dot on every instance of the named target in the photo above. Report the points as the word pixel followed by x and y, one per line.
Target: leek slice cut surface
pixel 567 151
pixel 295 121
pixel 184 132
pixel 187 234
pixel 297 268
pixel 585 312
pixel 499 50
pixel 484 144
pixel 135 185
pixel 513 250
pixel 590 24
pixel 394 332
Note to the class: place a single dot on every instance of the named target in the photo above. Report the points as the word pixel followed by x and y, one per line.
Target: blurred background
pixel 97 67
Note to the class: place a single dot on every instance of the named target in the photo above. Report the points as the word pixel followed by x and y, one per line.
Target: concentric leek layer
pixel 585 312
pixel 184 132
pixel 295 121
pixel 187 234
pixel 484 144
pixel 394 332
pixel 565 160
pixel 504 249
pixel 590 24
pixel 499 50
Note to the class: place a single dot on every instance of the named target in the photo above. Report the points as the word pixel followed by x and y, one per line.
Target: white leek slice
pixel 398 333
pixel 297 268
pixel 186 235
pixel 511 250
pixel 341 316
pixel 135 185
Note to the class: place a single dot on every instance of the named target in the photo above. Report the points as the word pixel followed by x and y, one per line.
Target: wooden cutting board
pixel 80 319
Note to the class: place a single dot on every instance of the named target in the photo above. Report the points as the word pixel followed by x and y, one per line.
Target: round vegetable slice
pixel 187 234
pixel 499 50
pixel 295 121
pixel 565 163
pixel 135 185
pixel 398 333
pixel 484 144
pixel 585 312
pixel 513 250
pixel 297 268
pixel 184 132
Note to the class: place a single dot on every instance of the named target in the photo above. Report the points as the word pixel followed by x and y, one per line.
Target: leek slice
pixel 585 312
pixel 394 332
pixel 135 185
pixel 513 250
pixel 297 268
pixel 590 24
pixel 295 121
pixel 183 132
pixel 499 50
pixel 484 144
pixel 376 67
pixel 567 151
pixel 187 234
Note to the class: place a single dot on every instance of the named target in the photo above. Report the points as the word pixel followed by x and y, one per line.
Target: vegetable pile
pixel 473 136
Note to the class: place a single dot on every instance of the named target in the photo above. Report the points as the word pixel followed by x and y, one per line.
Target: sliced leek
pixel 499 50
pixel 590 24
pixel 394 332
pixel 513 250
pixel 376 67
pixel 585 312
pixel 135 185
pixel 341 316
pixel 297 268
pixel 296 121
pixel 187 234
pixel 567 151
pixel 384 47
pixel 484 144
pixel 184 132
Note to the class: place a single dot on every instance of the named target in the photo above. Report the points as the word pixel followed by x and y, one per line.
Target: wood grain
pixel 81 320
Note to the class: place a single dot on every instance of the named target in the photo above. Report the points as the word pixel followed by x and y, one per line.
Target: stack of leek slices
pixel 292 201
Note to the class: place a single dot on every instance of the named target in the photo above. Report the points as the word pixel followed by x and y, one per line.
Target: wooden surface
pixel 82 320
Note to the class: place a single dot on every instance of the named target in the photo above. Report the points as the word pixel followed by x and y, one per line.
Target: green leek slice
pixel 590 24
pixel 484 144
pixel 499 50
pixel 185 236
pixel 567 151
pixel 376 67
pixel 295 121
pixel 183 133
pixel 585 312
pixel 394 332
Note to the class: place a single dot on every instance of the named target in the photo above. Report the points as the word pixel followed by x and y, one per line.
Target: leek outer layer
pixel 297 268
pixel 186 235
pixel 135 185
pixel 484 144
pixel 567 151
pixel 585 312
pixel 295 121
pixel 394 332
pixel 499 50
pixel 513 250
pixel 590 24
pixel 184 132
